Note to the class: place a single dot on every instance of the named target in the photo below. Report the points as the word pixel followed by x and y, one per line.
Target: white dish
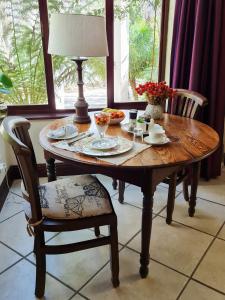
pixel 149 141
pixel 104 143
pixel 123 146
pixel 116 121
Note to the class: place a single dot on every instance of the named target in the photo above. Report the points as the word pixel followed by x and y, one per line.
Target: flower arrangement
pixel 155 92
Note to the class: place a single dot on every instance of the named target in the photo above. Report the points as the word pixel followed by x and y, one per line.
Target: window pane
pixel 136 46
pixel 94 69
pixel 21 54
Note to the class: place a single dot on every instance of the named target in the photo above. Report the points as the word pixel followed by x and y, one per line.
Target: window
pixel 49 84
pixel 94 69
pixel 136 46
pixel 21 52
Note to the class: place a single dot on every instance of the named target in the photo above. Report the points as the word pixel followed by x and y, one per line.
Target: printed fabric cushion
pixel 72 198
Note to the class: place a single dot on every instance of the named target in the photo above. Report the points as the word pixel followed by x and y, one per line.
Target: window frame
pixel 48 111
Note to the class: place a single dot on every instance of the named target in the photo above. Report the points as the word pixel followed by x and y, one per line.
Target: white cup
pixel 157 135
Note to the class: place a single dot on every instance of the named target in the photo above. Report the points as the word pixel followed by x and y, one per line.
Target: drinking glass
pixel 138 132
pixel 102 120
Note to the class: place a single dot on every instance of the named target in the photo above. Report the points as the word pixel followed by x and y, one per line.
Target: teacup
pixel 157 135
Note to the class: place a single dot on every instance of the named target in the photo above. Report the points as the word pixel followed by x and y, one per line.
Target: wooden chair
pixel 188 104
pixel 63 205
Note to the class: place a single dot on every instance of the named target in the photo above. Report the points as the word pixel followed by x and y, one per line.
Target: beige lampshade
pixel 77 35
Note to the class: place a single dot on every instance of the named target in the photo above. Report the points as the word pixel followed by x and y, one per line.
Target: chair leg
pixel 114 255
pixel 171 197
pixel 194 187
pixel 40 265
pixel 35 245
pixel 114 183
pixel 97 231
pixel 185 190
pixel 121 191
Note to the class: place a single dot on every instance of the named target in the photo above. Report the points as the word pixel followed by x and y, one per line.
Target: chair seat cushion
pixel 71 198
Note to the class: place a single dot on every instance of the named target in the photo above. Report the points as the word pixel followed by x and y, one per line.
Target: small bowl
pixel 116 121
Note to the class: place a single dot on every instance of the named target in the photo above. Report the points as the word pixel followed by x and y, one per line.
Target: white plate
pixel 104 143
pixel 64 137
pixel 123 146
pixel 149 141
pixel 125 127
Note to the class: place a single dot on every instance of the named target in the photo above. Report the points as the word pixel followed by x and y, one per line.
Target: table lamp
pixel 79 37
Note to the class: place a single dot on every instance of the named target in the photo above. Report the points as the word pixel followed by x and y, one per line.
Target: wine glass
pixel 102 120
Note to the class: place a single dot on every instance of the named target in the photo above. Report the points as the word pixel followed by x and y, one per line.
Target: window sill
pixel 46 115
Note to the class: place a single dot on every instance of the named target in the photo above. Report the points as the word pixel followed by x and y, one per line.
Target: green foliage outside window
pixel 21 53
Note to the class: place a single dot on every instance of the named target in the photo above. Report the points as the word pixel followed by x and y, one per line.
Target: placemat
pixel 115 159
pixel 122 158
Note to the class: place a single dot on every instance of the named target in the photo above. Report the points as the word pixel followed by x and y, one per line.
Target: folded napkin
pixel 63 131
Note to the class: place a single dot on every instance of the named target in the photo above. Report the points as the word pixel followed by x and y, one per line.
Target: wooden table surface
pixel 192 141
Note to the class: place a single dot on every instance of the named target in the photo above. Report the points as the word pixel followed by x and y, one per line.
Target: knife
pixel 80 136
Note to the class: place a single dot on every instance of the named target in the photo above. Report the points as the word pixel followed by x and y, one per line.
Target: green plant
pixel 5 84
pixel 21 54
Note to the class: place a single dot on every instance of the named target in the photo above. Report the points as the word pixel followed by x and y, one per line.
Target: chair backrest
pixel 15 132
pixel 186 103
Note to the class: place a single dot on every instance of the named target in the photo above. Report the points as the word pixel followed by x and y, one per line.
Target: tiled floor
pixel 187 257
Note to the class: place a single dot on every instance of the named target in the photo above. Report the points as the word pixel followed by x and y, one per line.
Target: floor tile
pixel 107 182
pixel 76 268
pixel 208 216
pixel 211 271
pixel 78 297
pixel 222 233
pixel 213 189
pixel 162 283
pixel 196 291
pixel 175 245
pixel 13 204
pixel 15 188
pixel 7 257
pixel 129 221
pixel 19 283
pixel 13 233
pixel 134 196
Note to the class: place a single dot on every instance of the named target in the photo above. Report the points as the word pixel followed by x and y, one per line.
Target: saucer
pixel 149 141
pixel 104 143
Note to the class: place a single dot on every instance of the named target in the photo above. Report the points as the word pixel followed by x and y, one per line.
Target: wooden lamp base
pixel 81 106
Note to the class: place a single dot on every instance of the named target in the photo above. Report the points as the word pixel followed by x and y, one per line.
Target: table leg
pixel 114 183
pixel 148 193
pixel 194 186
pixel 50 166
pixel 171 197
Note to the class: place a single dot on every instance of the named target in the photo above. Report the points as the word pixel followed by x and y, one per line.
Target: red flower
pixel 156 92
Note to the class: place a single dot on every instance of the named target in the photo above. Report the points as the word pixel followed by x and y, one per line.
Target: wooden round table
pixel 192 141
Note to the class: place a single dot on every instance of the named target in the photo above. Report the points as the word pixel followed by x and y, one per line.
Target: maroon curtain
pixel 198 63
